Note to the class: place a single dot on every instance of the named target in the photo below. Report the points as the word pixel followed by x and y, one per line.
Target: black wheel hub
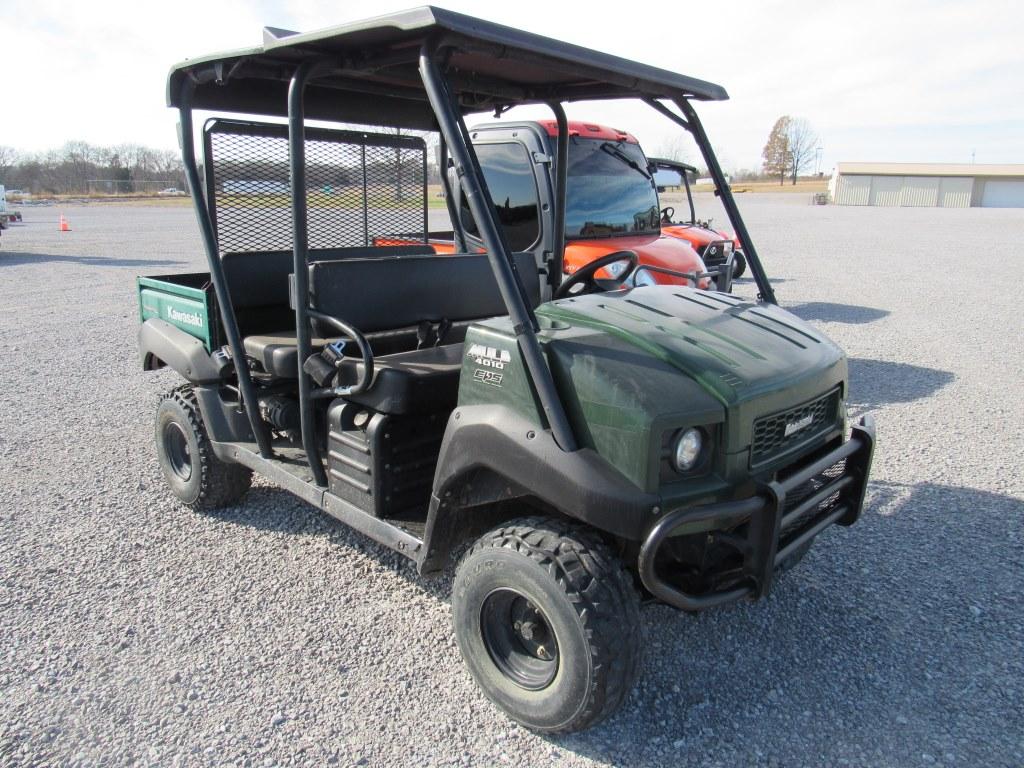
pixel 179 456
pixel 519 639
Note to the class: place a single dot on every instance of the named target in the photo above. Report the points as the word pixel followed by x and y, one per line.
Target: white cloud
pixel 869 75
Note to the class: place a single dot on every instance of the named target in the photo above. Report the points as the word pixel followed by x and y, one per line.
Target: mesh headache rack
pixel 360 186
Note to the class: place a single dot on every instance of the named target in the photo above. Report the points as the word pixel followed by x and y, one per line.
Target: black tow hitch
pixel 840 494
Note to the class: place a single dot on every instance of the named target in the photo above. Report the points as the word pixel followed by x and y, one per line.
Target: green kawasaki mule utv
pixel 601 444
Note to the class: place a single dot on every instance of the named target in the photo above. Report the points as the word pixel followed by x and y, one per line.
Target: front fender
pixel 490 455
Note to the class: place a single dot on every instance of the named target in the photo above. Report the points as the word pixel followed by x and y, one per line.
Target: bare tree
pixel 675 148
pixel 8 159
pixel 776 153
pixel 801 140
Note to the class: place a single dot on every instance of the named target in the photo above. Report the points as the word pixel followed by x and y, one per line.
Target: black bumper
pixel 829 490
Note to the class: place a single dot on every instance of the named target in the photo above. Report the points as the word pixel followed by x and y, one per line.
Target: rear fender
pixel 161 343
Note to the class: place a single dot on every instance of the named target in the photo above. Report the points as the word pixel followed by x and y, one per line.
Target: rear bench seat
pixel 258 282
pixel 382 296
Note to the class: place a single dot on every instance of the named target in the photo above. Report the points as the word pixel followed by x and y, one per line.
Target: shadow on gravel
pixel 13 258
pixel 891 643
pixel 828 312
pixel 276 510
pixel 874 383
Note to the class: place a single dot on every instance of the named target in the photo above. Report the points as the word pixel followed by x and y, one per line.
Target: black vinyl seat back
pixel 386 293
pixel 258 281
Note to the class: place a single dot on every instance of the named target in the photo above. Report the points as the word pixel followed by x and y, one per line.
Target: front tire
pixel 739 264
pixel 548 622
pixel 194 473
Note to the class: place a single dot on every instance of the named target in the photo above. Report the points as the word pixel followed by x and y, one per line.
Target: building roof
pixel 930 169
pixel 372 71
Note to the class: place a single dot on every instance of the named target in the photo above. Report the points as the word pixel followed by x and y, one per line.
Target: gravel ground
pixel 133 631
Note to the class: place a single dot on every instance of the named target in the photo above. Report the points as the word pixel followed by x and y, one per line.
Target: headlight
pixel 616 268
pixel 688 448
pixel 643 277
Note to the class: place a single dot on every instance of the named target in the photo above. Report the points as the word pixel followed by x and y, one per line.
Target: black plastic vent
pixel 777 433
pixel 359 186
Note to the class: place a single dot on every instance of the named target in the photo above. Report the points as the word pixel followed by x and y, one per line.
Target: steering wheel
pixel 667 213
pixel 585 275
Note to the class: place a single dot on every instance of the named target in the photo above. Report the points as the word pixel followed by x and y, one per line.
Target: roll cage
pixel 684 170
pixel 422 69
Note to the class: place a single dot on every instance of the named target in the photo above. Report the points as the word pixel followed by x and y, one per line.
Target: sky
pixel 900 80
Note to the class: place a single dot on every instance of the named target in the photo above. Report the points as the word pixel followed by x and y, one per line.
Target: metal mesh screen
pixel 359 186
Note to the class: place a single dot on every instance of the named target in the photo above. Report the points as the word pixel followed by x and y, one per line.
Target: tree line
pixel 82 168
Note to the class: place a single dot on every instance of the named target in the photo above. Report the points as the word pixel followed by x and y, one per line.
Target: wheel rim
pixel 519 639
pixel 179 456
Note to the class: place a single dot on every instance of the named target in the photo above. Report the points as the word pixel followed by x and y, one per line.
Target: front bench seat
pixel 458 288
pixel 420 381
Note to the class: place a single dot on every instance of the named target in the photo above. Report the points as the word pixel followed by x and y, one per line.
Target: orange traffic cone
pixel 64 226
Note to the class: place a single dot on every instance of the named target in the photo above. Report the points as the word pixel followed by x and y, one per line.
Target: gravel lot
pixel 133 631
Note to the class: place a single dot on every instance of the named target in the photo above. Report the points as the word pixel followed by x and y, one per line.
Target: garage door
pixel 919 191
pixel 853 190
pixel 885 190
pixel 1003 194
pixel 955 191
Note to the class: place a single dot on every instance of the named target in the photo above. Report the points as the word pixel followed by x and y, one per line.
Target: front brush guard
pixel 767 516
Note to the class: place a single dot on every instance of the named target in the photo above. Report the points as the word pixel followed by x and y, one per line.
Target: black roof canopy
pixel 369 73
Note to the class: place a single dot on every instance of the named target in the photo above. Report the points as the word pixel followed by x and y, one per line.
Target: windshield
pixel 609 191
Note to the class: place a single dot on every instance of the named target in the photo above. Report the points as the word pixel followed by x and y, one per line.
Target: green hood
pixel 737 350
pixel 617 357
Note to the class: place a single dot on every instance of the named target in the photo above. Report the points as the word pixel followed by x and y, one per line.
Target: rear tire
pixel 548 622
pixel 196 476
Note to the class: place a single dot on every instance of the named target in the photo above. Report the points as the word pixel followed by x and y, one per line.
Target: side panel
pixel 494 373
pixel 184 307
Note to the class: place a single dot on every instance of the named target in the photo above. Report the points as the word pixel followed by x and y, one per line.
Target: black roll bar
pixel 561 184
pixel 689 196
pixel 220 286
pixel 300 261
pixel 478 197
pixel 692 123
pixel 458 234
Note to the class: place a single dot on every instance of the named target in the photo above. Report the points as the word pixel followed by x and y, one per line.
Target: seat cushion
pixel 420 381
pixel 277 352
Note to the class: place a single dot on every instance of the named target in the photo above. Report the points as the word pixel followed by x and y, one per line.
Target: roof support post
pixel 300 256
pixel 692 123
pixel 478 197
pixel 220 286
pixel 561 185
pixel 449 198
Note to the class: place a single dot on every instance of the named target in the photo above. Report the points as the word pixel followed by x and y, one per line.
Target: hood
pixel 657 250
pixel 697 236
pixel 754 359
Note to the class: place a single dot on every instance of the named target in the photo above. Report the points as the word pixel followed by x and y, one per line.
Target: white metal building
pixel 946 185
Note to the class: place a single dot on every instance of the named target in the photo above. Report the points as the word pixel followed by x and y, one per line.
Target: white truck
pixel 7 216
